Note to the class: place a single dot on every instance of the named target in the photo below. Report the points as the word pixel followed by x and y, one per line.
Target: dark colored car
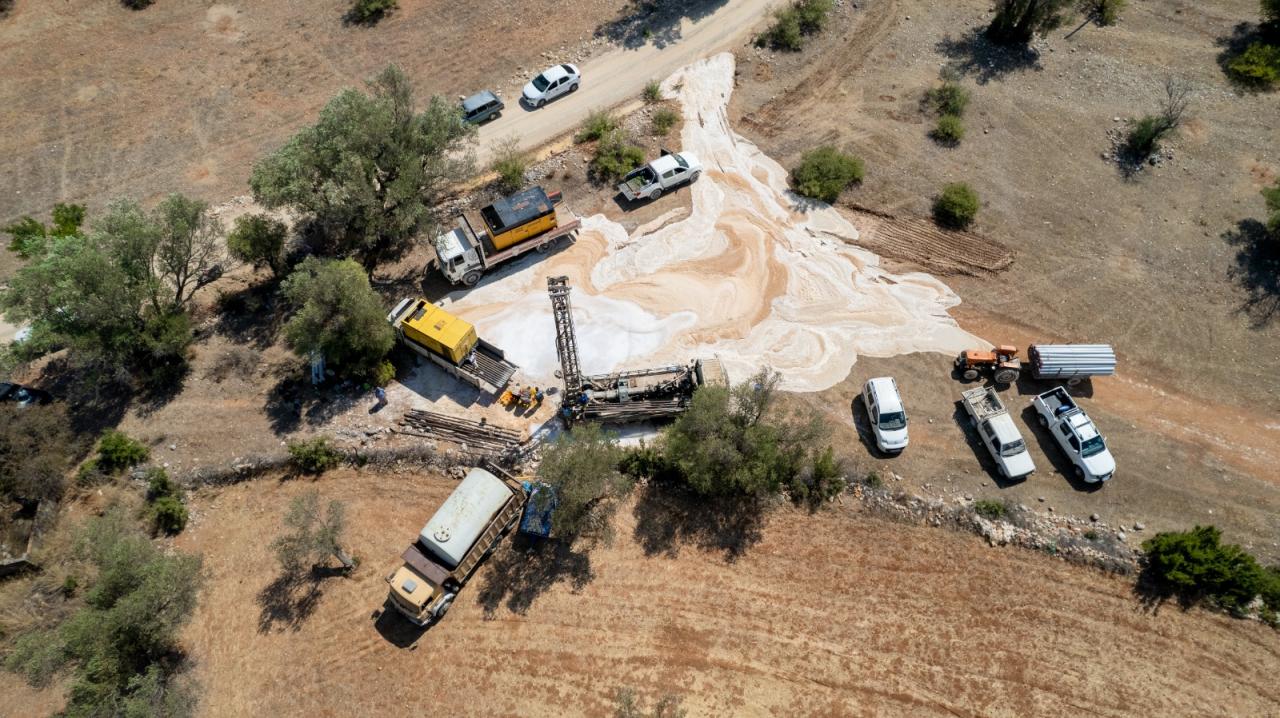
pixel 481 107
pixel 23 395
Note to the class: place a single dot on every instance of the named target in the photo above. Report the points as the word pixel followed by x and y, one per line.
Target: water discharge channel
pixel 754 275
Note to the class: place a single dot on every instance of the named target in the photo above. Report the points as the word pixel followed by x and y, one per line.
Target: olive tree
pixel 582 468
pixel 1018 21
pixel 311 537
pixel 371 169
pixel 259 240
pixel 337 314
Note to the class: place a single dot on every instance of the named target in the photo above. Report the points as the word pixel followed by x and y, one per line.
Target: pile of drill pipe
pixel 635 410
pixel 473 434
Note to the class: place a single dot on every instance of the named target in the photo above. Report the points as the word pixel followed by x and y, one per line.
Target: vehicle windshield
pixel 1013 448
pixel 893 420
pixel 1093 447
pixel 540 83
pixel 680 161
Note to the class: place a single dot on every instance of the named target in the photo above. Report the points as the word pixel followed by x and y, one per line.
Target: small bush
pixel 826 172
pixel 383 373
pixel 117 451
pixel 159 485
pixel 950 99
pixel 69 586
pixel 1196 564
pixel 510 164
pixel 792 24
pixel 1144 137
pixel 598 124
pixel 874 481
pixel 89 474
pixel 1104 12
pixel 168 515
pixel 956 206
pixel 652 92
pixel 949 130
pixel 664 118
pixel 371 10
pixel 1258 65
pixel 615 156
pixel 314 456
pixel 824 481
pixel 990 510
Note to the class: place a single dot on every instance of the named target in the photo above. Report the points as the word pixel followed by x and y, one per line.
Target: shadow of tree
pixel 525 568
pixel 294 401
pixel 1232 46
pixel 253 315
pixel 668 517
pixel 655 22
pixel 288 601
pixel 974 55
pixel 1257 269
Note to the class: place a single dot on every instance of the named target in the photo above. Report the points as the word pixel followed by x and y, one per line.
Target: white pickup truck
pixel 669 170
pixel 998 432
pixel 1076 434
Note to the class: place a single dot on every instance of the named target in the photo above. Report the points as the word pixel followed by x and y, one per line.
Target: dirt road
pixel 620 74
pixel 830 614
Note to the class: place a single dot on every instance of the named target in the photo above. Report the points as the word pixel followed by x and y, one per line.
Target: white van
pixel 888 416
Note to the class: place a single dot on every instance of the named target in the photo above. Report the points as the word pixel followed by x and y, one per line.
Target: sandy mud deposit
pixel 754 275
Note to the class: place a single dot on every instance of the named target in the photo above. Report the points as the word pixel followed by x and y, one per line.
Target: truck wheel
pixel 1043 421
pixel 970 374
pixel 656 194
pixel 444 607
pixel 545 246
pixel 1075 381
pixel 1006 377
pixel 694 177
pixel 471 279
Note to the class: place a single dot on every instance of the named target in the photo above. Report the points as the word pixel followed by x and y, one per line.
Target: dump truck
pixel 528 220
pixel 1071 362
pixel 451 344
pixel 465 529
pixel 998 433
pixel 671 169
pixel 1076 435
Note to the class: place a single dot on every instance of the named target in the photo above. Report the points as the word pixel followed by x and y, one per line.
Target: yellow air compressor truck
pixel 451 344
pixel 527 220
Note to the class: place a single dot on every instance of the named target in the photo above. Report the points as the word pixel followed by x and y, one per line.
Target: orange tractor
pixel 1001 363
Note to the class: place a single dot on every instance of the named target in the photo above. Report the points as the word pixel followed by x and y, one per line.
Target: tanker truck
pixel 465 529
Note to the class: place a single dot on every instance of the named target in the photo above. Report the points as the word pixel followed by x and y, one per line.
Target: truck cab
pixel 1076 434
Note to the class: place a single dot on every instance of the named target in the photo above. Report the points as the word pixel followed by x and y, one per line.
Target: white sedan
pixel 551 83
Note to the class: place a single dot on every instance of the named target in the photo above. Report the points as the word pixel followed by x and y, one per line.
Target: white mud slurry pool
pixel 753 275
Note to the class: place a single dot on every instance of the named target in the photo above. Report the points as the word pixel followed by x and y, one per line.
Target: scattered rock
pixel 1138 526
pixel 1120 535
pixel 1093 518
pixel 1040 499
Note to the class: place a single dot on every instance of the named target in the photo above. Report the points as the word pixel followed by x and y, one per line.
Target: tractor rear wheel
pixel 970 374
pixel 1007 376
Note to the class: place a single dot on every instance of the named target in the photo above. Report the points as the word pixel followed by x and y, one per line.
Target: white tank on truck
pixel 458 536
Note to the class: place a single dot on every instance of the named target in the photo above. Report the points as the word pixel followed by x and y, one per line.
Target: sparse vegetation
pixel 36 447
pixel 1195 565
pixel 652 92
pixel 599 123
pixel 615 156
pixel 370 171
pixel 823 481
pixel 311 538
pixel 582 468
pixel 949 130
pixel 990 510
pixel 1146 134
pixel 259 239
pixel 950 98
pixel 1018 21
pixel 664 118
pixel 956 206
pixel 795 22
pixel 371 11
pixel 123 643
pixel 165 508
pixel 874 481
pixel 313 456
pixel 510 164
pixel 337 314
pixel 118 451
pixel 1104 12
pixel 825 172
pixel 628 706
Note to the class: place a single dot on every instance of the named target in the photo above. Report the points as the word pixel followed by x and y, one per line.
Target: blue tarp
pixel 535 521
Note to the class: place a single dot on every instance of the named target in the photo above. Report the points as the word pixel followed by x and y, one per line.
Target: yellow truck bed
pixel 439 331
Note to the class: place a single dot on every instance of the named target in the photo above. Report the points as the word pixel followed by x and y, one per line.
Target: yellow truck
pixel 458 536
pixel 527 220
pixel 451 343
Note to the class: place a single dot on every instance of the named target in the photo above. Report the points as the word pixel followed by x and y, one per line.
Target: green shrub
pixel 1144 137
pixel 371 10
pixel 1271 588
pixel 69 586
pixel 1196 564
pixel 1258 65
pixel 510 164
pixel 258 239
pixel 874 481
pixel 825 172
pixel 956 206
pixel 615 156
pixel 949 130
pixel 1104 12
pixel 792 24
pixel 383 373
pixel 89 474
pixel 664 118
pixel 314 456
pixel 159 485
pixel 824 481
pixel 652 91
pixel 598 124
pixel 990 510
pixel 117 451
pixel 168 515
pixel 950 99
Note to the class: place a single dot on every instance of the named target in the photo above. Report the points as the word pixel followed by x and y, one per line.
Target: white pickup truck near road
pixel 669 170
pixel 1076 434
pixel 998 432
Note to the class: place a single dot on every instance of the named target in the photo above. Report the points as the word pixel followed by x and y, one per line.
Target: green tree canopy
pixel 259 240
pixel 1196 564
pixel 370 170
pixel 27 236
pixel 1272 197
pixel 582 467
pixel 1018 21
pixel 338 315
pixel 311 537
